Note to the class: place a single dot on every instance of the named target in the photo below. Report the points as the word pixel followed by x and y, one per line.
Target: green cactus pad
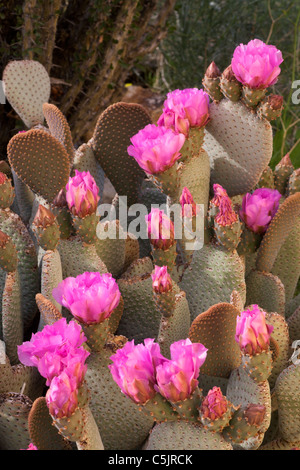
pixel 12 225
pixel 49 167
pixel 289 273
pixel 77 258
pixel 234 139
pixel 49 313
pixel 175 327
pixel 184 436
pixel 281 240
pixel 211 277
pixel 59 128
pixel 265 290
pixel 111 138
pixel 51 275
pixel 215 329
pixel 42 432
pixel 294 182
pixel 280 336
pixel 242 391
pixel 27 87
pixel 19 377
pixel 294 325
pixel 132 250
pixel 282 172
pixel 24 198
pixel 241 433
pixel 267 179
pixel 287 391
pixel 12 324
pixel 112 249
pixel 140 319
pixel 14 411
pixel 116 316
pixel 138 268
pixel 121 424
pixel 280 444
pixel 258 366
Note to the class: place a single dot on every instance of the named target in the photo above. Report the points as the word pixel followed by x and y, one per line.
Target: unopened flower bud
pixel 271 107
pixel 211 82
pixel 160 229
pixel 230 86
pixel 255 414
pixel 252 332
pixel 46 228
pixel 44 217
pixel 161 279
pixel 61 199
pixel 212 71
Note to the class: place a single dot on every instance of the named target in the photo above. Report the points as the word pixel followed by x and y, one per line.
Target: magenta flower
pixel 156 148
pixel 91 297
pixel 226 215
pixel 184 109
pixel 64 357
pixel 62 395
pixel 160 229
pixel 189 208
pixel 252 331
pixel 82 194
pixel 161 279
pixel 54 349
pixel 259 208
pixel 214 405
pixel 31 447
pixel 219 194
pixel 177 378
pixel 134 368
pixel 50 339
pixel 256 64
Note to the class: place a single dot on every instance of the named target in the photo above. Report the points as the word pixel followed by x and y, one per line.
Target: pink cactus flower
pixel 64 357
pixel 62 395
pixel 49 340
pixel 177 378
pixel 252 332
pixel 214 405
pixel 91 297
pixel 82 194
pixel 189 208
pixel 160 229
pixel 226 215
pixel 134 368
pixel 161 279
pixel 259 208
pixel 156 148
pixel 219 194
pixel 256 64
pixel 31 447
pixel 184 109
pixel 55 348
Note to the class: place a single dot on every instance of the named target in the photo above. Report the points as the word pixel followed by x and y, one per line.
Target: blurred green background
pixel 203 31
pixel 92 49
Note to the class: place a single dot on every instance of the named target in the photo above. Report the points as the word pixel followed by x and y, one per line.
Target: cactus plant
pixel 146 339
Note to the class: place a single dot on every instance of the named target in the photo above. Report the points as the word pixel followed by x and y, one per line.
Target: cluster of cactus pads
pixel 168 348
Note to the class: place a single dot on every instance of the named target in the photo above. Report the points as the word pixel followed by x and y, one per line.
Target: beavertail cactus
pixel 167 319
